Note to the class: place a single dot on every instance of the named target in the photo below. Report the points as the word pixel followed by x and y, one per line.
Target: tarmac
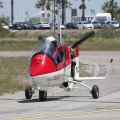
pixel 77 104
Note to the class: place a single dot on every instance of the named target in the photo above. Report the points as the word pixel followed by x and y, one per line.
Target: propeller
pixel 83 39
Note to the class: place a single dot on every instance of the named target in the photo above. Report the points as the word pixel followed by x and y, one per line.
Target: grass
pixel 13 74
pixel 11 45
pixel 104 40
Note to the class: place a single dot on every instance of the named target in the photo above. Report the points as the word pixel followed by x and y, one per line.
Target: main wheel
pixel 42 95
pixel 95 92
pixel 28 92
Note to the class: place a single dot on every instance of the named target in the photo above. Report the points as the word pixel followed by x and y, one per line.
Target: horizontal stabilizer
pixel 87 78
pixel 77 78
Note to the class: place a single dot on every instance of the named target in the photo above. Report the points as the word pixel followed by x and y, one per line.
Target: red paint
pixel 76 51
pixel 68 55
pixel 41 64
pixel 111 60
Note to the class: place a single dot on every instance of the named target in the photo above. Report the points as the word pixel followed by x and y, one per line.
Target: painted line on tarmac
pixel 70 114
pixel 100 57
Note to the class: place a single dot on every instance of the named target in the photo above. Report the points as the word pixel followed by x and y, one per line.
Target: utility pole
pixel 12 11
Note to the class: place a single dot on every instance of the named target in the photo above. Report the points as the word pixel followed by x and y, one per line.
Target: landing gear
pixel 95 92
pixel 65 84
pixel 73 68
pixel 42 95
pixel 28 92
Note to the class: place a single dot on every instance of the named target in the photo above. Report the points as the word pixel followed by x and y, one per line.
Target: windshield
pixel 44 46
pixel 114 22
pixel 86 22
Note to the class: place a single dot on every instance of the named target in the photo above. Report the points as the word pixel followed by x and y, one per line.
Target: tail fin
pixel 76 52
pixel 109 68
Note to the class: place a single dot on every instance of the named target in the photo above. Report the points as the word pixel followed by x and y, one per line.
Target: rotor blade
pixel 84 38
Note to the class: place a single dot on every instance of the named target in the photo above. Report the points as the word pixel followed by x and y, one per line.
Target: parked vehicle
pixel 5 26
pixel 95 24
pixel 18 26
pixel 56 26
pixel 21 26
pixel 88 24
pixel 115 24
pixel 71 25
pixel 119 23
pixel 61 26
pixel 38 25
pixel 32 26
pixel 12 26
pixel 106 24
pixel 42 25
pixel 80 25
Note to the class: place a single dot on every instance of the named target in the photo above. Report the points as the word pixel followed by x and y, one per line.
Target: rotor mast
pixel 59 24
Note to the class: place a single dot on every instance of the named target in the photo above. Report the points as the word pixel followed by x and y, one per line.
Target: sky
pixel 26 8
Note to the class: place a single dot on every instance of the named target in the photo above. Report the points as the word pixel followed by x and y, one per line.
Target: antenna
pixel 58 12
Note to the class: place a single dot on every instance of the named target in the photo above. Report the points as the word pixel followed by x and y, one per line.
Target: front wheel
pixel 28 92
pixel 95 92
pixel 42 95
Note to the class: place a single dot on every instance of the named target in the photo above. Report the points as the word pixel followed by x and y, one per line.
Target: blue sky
pixel 23 6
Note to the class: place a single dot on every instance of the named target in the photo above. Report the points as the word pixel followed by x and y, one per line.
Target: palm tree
pixel 65 4
pixel 106 7
pixel 117 13
pixel 42 4
pixel 46 3
pixel 83 7
pixel 1 5
pixel 110 7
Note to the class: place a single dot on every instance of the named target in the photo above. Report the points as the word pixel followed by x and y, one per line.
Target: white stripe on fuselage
pixel 52 79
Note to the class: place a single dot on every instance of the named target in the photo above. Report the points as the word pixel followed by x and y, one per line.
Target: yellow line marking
pixel 70 114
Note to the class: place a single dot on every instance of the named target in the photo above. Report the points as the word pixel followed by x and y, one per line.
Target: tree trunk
pixel 83 11
pixel 112 9
pixel 63 12
pixel 12 11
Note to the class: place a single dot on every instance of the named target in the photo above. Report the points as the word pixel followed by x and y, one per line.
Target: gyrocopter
pixel 56 63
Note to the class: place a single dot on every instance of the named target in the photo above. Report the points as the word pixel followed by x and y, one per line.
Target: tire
pixel 95 92
pixel 28 92
pixel 42 95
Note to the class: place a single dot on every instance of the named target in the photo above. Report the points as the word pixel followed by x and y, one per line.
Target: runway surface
pixel 77 104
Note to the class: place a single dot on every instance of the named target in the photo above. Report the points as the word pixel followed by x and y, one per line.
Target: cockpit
pixel 48 57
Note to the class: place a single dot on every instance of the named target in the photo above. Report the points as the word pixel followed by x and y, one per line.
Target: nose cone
pixel 41 64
